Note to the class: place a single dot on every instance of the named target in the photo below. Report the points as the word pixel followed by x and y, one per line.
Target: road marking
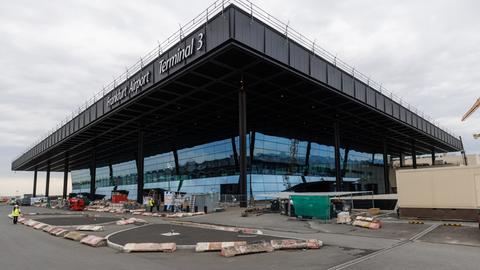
pixel 385 250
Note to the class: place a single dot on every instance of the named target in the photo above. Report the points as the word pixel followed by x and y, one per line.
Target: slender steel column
pixel 242 133
pixel 93 173
pixel 177 169
pixel 35 183
pixel 140 167
pixel 307 162
pixel 235 153
pixel 402 160
pixel 65 176
pixel 338 169
pixel 386 167
pixel 345 162
pixel 110 174
pixel 414 156
pixel 433 156
pixel 47 178
pixel 465 161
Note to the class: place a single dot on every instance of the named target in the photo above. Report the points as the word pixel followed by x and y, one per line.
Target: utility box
pixel 447 193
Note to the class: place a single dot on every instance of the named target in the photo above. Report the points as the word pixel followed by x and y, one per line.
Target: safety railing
pixel 255 11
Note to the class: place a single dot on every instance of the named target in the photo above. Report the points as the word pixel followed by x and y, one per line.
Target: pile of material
pixel 344 218
pixel 367 222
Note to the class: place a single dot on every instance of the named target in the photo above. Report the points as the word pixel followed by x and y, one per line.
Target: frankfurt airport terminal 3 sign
pixel 165 64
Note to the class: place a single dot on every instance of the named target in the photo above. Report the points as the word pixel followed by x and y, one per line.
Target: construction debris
pixel 367 222
pixel 344 218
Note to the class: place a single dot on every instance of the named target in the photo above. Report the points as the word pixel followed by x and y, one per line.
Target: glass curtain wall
pixel 278 164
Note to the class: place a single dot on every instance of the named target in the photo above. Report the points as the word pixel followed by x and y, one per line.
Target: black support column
pixel 140 167
pixel 110 175
pixel 242 133
pixel 338 169
pixel 414 156
pixel 93 173
pixel 65 176
pixel 47 180
pixel 433 156
pixel 386 167
pixel 35 174
pixel 402 160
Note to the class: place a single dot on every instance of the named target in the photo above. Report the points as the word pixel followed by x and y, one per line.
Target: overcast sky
pixel 55 54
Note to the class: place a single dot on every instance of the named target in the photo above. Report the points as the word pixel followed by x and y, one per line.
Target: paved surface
pixel 22 247
pixel 75 220
pixel 469 236
pixel 188 235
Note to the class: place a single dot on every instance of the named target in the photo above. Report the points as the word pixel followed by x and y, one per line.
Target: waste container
pixel 311 206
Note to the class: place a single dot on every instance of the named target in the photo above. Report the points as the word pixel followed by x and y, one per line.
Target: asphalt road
pixel 24 248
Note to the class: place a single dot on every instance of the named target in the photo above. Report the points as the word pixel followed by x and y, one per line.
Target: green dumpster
pixel 312 206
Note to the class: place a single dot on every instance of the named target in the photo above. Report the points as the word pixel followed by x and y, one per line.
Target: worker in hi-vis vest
pixel 15 214
pixel 151 203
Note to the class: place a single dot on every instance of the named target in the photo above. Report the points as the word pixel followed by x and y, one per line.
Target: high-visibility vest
pixel 150 202
pixel 16 212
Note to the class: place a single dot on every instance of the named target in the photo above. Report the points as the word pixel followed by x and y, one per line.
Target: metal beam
pixel 140 167
pixel 65 176
pixel 35 183
pixel 386 168
pixel 402 160
pixel 338 169
pixel 242 133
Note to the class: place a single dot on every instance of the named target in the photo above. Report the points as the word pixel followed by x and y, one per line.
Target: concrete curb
pixel 118 246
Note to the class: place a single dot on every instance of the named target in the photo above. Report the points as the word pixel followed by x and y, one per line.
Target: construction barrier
pixel 90 228
pixel 150 247
pixel 296 244
pixel 94 241
pixel 60 232
pixel 40 226
pixel 246 249
pixel 217 246
pixel 75 236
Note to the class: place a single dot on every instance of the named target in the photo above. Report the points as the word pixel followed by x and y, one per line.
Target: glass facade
pixel 278 164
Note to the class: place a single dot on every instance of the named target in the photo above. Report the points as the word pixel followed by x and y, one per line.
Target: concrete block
pixel 60 232
pixel 246 249
pixel 75 236
pixel 216 246
pixel 48 228
pixel 296 244
pixel 90 228
pixel 20 219
pixel 150 247
pixel 375 225
pixel 31 223
pixel 94 241
pixel 40 226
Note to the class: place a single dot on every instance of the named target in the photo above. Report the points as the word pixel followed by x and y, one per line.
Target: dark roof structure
pixel 188 95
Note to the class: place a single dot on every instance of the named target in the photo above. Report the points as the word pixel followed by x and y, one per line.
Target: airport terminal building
pixel 236 102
